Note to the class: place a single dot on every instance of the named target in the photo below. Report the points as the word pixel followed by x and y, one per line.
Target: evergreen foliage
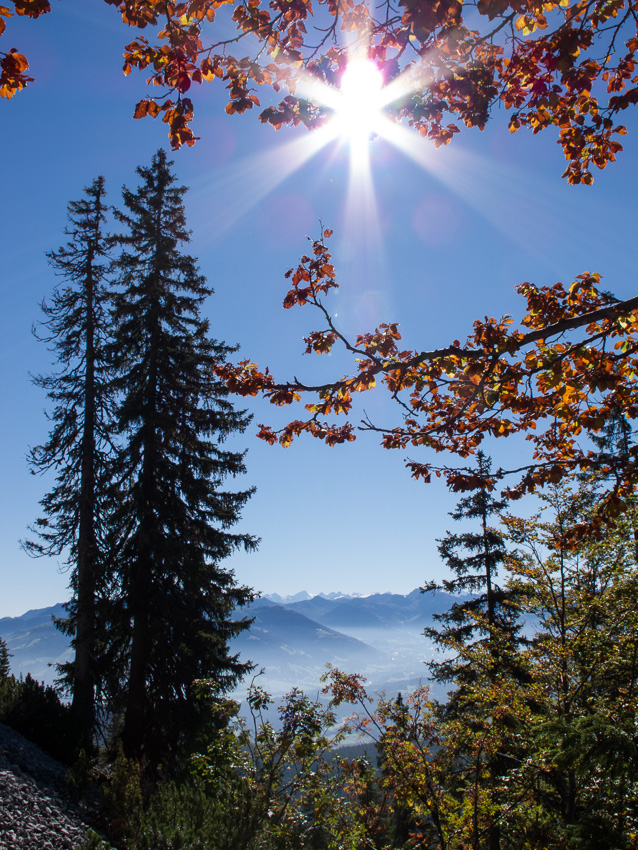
pixel 78 447
pixel 173 518
pixel 486 669
pixel 582 746
pixel 485 622
pixel 138 507
pixel 35 710
pixel 5 664
pixel 183 817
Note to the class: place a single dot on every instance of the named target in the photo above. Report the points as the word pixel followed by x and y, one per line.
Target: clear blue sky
pixel 454 239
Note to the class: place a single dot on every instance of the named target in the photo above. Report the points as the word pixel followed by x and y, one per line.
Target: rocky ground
pixel 34 811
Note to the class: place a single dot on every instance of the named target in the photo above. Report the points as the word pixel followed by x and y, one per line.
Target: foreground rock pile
pixel 34 814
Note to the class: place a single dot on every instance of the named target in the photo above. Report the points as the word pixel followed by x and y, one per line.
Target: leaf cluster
pixel 562 64
pixel 557 379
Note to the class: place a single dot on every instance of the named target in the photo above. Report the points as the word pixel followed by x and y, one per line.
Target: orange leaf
pixel 141 110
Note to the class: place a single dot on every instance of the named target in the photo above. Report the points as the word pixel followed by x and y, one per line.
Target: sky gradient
pixel 443 239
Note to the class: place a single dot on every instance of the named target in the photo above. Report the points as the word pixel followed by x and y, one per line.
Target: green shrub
pixel 92 841
pixel 121 794
pixel 35 710
pixel 242 792
pixel 183 817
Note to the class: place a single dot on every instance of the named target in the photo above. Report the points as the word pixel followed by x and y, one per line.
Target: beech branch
pixel 513 345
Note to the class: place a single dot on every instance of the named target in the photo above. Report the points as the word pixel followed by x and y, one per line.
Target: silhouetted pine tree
pixel 78 447
pixel 173 516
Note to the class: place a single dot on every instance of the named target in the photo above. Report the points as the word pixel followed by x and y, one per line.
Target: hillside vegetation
pixel 536 746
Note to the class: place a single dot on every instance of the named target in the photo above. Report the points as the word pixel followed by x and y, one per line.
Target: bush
pixel 189 814
pixel 35 710
pixel 93 841
pixel 245 792
pixel 276 782
pixel 183 817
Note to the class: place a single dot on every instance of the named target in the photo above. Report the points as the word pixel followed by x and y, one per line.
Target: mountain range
pixel 290 638
pixel 36 646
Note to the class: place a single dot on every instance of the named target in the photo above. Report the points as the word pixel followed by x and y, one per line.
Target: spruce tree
pixel 78 447
pixel 486 616
pixel 174 518
pixel 5 664
pixel 479 634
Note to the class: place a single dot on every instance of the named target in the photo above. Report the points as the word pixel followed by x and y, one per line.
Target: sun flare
pixel 358 112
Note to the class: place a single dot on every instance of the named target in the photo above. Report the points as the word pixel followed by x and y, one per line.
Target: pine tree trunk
pixel 83 705
pixel 141 583
pixel 133 734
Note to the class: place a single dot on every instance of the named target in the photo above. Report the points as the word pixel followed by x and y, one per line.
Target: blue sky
pixel 455 235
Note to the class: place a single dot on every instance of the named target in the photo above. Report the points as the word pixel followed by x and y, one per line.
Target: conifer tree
pixel 484 665
pixel 5 665
pixel 173 517
pixel 78 447
pixel 487 617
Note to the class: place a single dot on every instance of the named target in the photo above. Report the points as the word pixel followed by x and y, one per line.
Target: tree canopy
pixel 570 65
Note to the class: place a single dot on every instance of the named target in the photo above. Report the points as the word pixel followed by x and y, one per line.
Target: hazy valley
pixel 291 639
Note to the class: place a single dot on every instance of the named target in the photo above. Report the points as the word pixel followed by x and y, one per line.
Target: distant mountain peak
pixel 303 596
pixel 338 595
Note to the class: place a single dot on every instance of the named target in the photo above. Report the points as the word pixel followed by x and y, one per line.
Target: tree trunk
pixel 83 705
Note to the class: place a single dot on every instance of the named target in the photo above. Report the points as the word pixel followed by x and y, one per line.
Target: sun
pixel 357 105
pixel 358 109
pixel 357 113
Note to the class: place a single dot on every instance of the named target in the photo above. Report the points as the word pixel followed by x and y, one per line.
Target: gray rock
pixel 33 812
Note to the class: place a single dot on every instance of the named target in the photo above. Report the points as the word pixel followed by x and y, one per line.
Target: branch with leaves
pixel 567 64
pixel 556 379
